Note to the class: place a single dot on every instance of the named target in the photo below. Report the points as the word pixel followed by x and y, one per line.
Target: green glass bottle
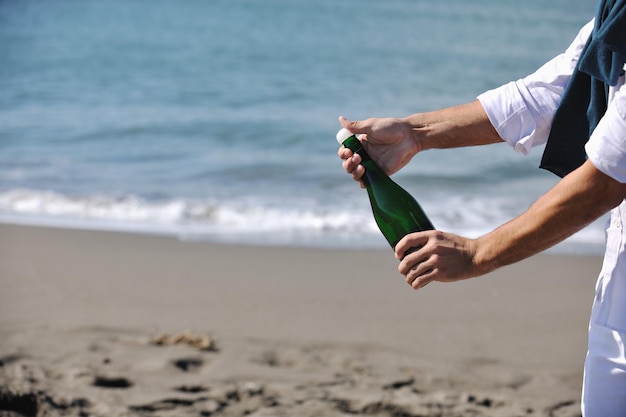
pixel 396 212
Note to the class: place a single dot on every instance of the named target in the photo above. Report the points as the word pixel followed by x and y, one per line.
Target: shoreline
pixel 277 239
pixel 76 305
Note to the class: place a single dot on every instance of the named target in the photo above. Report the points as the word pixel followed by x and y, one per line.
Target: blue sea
pixel 215 120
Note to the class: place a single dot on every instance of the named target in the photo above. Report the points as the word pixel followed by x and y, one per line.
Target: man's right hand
pixel 389 141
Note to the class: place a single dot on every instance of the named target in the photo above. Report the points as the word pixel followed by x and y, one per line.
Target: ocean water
pixel 216 119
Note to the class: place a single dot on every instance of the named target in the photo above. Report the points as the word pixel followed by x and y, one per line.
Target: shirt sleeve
pixel 522 111
pixel 606 147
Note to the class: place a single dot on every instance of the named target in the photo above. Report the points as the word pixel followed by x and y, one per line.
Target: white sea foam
pixel 239 222
pixel 188 218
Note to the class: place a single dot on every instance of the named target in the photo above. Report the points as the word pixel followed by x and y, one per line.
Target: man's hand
pixel 393 142
pixel 441 256
pixel 388 141
pixel 574 202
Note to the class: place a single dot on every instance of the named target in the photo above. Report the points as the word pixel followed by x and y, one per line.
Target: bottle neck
pixel 356 146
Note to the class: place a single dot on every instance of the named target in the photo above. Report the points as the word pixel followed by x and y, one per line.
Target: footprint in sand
pixel 19 404
pixel 188 364
pixel 111 382
pixel 191 389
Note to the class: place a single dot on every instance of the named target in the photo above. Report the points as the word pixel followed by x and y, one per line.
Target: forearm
pixel 459 126
pixel 577 200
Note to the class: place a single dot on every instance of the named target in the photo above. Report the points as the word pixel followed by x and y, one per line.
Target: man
pixel 522 114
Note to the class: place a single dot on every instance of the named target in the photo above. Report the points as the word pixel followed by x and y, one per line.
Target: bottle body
pixel 395 211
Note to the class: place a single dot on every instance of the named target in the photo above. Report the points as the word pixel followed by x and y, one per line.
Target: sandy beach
pixel 112 324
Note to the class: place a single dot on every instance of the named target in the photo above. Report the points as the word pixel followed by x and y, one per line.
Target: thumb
pixel 354 126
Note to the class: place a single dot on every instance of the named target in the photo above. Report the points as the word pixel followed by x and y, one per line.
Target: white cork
pixel 343 134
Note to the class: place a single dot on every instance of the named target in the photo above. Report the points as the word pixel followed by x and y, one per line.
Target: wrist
pixel 418 129
pixel 484 257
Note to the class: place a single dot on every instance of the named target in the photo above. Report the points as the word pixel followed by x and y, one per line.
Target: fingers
pixel 354 126
pixel 410 244
pixel 357 172
pixel 420 275
pixel 412 262
pixel 442 257
pixel 416 264
pixel 351 163
pixel 344 153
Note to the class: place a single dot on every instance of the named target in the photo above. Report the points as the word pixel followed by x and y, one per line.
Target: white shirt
pixel 522 113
